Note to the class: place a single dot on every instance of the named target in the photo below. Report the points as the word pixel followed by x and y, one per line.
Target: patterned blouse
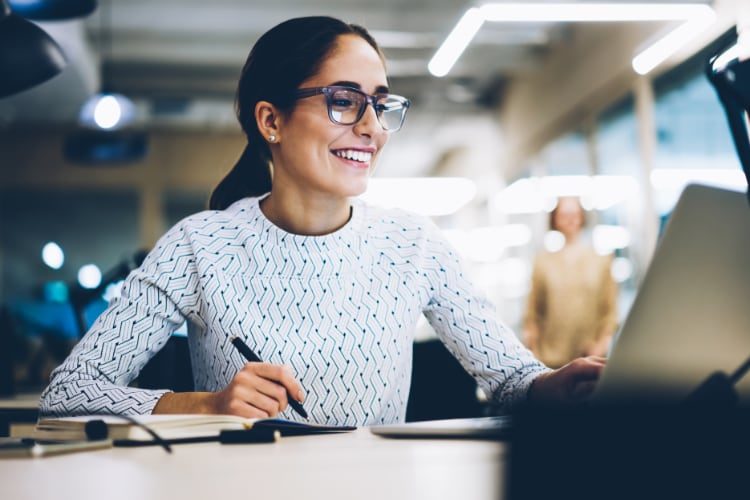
pixel 339 309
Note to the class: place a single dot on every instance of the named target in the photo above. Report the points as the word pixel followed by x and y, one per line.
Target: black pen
pixel 253 358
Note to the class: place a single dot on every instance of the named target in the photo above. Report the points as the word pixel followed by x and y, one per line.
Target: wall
pixel 583 77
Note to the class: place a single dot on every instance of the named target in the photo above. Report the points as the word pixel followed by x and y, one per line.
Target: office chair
pixel 440 387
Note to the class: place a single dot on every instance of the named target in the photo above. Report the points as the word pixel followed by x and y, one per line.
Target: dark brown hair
pixel 280 61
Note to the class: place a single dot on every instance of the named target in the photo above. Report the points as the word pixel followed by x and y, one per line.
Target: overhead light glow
pixel 695 17
pixel 540 194
pixel 107 112
pixel 554 241
pixel 606 239
pixel 659 51
pixel 53 255
pixel 456 42
pixel 622 269
pixel 487 244
pixel 89 276
pixel 432 196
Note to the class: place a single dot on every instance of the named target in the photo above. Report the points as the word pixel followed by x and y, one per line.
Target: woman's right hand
pixel 258 390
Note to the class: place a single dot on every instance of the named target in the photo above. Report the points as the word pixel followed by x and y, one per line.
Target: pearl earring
pixel 271 138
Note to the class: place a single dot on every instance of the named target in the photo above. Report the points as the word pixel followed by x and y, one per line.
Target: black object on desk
pixel 253 358
pixel 629 451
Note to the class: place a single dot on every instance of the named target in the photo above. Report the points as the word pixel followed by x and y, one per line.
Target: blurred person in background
pixel 572 307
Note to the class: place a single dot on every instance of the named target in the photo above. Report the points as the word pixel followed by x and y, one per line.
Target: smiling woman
pixel 324 287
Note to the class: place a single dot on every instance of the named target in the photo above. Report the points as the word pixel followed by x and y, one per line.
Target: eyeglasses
pixel 347 105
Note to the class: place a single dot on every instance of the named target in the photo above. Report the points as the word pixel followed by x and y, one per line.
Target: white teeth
pixel 351 154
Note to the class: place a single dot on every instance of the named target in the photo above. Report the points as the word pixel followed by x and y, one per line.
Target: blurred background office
pixel 608 103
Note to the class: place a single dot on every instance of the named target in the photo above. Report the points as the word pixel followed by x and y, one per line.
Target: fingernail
pixel 300 396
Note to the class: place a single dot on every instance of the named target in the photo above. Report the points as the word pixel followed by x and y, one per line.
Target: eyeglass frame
pixel 369 99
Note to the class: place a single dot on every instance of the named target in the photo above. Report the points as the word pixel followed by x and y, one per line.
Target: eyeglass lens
pixel 348 106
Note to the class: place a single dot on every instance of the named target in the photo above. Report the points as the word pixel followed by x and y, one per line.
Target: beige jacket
pixel 573 302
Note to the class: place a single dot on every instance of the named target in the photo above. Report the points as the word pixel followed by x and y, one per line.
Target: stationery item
pixel 171 428
pixel 253 358
pixel 22 448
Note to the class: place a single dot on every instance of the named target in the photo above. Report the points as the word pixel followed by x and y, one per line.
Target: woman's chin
pixel 353 189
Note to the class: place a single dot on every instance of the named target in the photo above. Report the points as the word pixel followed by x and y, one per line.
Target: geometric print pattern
pixel 339 309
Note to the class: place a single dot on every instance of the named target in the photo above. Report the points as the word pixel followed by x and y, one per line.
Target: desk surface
pixel 353 465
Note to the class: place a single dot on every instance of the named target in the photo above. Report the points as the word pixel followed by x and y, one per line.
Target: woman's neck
pixel 306 215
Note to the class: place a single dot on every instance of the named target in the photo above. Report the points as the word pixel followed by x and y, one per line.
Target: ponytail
pixel 250 176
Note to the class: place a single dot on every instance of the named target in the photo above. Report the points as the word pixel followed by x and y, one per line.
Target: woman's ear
pixel 269 120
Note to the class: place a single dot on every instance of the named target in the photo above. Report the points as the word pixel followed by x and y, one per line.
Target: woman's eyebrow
pixel 382 89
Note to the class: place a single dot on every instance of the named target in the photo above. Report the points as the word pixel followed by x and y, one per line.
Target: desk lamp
pixel 729 73
pixel 28 55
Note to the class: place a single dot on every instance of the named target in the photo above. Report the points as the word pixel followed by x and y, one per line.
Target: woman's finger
pixel 282 375
pixel 263 402
pixel 271 389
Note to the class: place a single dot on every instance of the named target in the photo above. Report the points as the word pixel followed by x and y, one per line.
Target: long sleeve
pixel 155 300
pixel 466 322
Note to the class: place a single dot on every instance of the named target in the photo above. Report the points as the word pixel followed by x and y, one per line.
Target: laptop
pixel 691 316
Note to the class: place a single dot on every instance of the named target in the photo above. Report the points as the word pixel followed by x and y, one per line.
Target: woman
pixel 572 308
pixel 325 289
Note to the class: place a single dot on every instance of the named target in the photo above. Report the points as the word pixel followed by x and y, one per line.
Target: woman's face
pixel 569 217
pixel 311 150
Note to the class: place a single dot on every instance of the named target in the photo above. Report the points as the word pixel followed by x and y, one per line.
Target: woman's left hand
pixel 572 383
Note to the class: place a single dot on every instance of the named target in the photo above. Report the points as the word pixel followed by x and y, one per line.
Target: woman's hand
pixel 259 390
pixel 572 383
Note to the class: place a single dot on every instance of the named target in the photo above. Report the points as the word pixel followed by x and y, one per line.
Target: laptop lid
pixel 691 316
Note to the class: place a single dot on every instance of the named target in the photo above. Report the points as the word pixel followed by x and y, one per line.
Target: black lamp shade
pixel 52 10
pixel 28 55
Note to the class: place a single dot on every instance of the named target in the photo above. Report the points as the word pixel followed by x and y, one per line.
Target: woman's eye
pixel 343 103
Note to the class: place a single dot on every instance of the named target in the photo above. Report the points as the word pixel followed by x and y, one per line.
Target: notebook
pixel 169 427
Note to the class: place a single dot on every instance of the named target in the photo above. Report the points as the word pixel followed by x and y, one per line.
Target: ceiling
pixel 180 59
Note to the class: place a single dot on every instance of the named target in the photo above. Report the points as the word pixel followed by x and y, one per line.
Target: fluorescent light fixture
pixel 430 196
pixel 659 51
pixel 540 194
pixel 695 18
pixel 457 41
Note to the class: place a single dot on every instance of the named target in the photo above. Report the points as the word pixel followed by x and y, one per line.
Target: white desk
pixel 356 465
